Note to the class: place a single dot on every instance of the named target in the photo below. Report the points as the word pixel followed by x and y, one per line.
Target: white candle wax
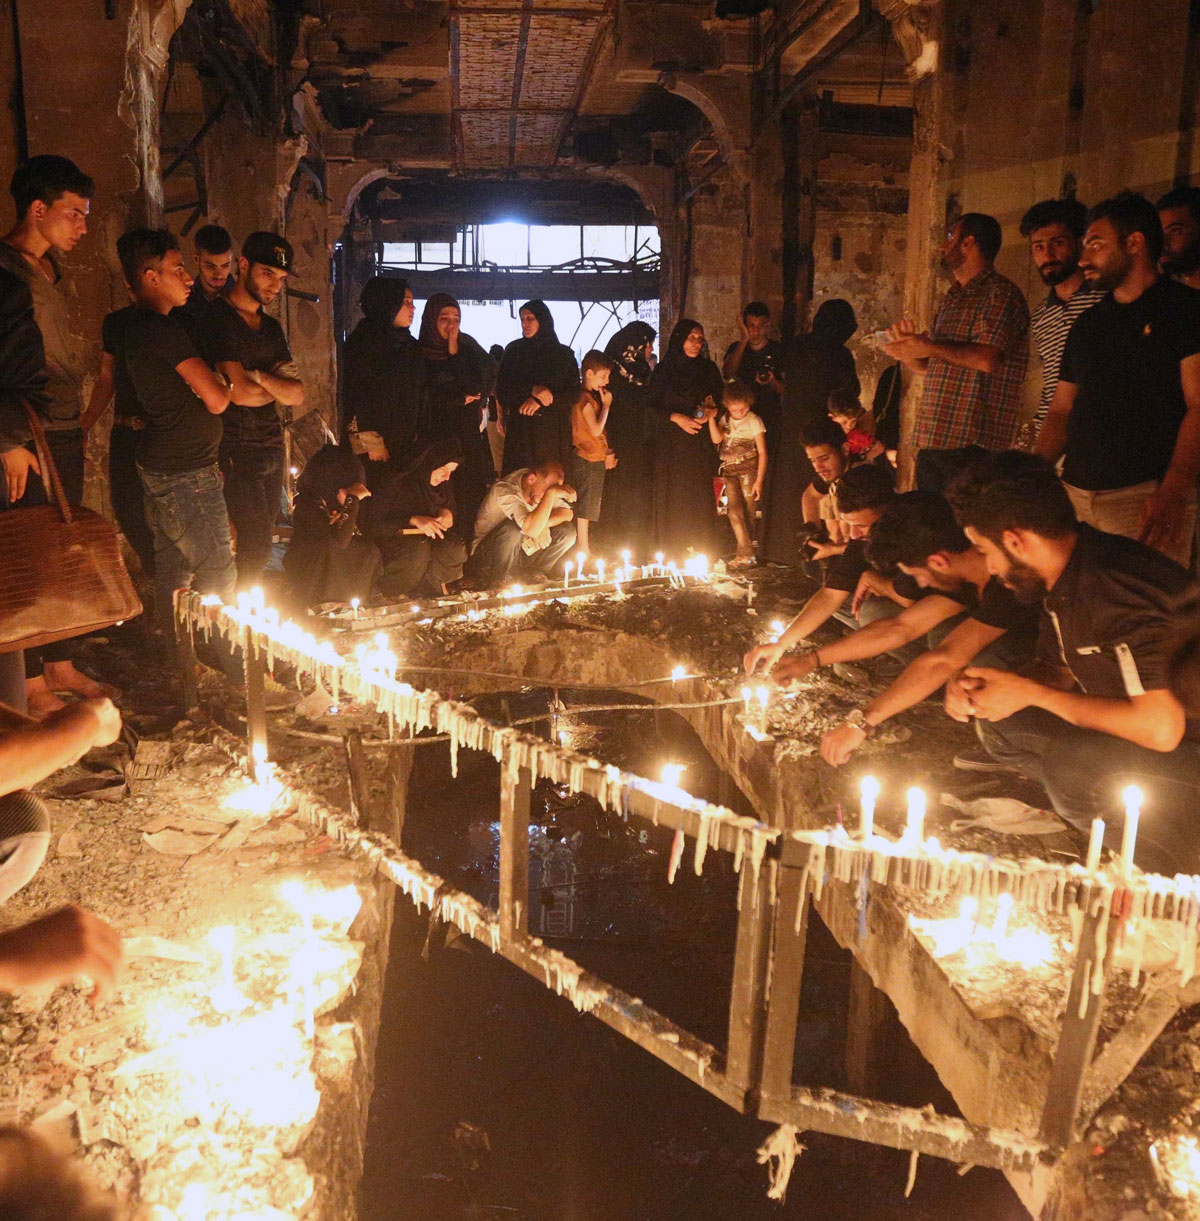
pixel 1133 811
pixel 567 574
pixel 915 829
pixel 1094 845
pixel 870 791
pixel 1003 911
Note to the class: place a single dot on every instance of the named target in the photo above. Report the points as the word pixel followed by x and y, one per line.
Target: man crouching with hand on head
pixel 1094 712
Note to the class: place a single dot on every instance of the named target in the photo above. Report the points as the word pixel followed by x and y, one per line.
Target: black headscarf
pixel 330 469
pixel 383 376
pixel 432 344
pixel 627 350
pixel 382 297
pixel 836 319
pixel 408 493
pixel 543 360
pixel 683 379
pixel 541 311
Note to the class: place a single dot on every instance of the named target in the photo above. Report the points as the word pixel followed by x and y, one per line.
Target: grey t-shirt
pixel 64 363
pixel 506 501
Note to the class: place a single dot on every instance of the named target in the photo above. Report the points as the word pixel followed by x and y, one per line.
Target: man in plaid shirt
pixel 973 357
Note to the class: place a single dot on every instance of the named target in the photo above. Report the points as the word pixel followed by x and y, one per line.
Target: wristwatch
pixel 858 720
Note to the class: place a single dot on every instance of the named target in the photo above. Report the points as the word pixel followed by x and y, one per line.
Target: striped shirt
pixel 960 406
pixel 1050 324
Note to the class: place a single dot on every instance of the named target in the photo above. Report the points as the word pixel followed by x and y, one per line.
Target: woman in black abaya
pixel 327 559
pixel 537 386
pixel 816 364
pixel 626 514
pixel 383 376
pixel 686 385
pixel 455 381
pixel 412 522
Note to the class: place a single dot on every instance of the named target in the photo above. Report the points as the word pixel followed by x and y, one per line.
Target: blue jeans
pixel 191 537
pixel 1084 772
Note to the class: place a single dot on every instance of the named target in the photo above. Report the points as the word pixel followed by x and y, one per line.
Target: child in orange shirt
pixel 592 456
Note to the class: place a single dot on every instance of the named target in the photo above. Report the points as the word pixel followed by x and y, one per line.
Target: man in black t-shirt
pixel 917 537
pixel 112 385
pixel 181 399
pixel 214 275
pixel 862 494
pixel 1125 416
pixel 1094 711
pixel 248 347
pixel 758 361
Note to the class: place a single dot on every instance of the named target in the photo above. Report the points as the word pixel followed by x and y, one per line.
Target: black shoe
pixel 981 761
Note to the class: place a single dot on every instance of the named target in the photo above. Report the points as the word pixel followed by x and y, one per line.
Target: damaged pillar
pixel 920 35
pixel 873 1032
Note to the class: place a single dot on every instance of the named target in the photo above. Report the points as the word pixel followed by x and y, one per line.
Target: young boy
pixel 592 456
pixel 857 423
pixel 741 438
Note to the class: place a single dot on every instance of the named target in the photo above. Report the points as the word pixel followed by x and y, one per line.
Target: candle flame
pixel 672 773
pixel 870 788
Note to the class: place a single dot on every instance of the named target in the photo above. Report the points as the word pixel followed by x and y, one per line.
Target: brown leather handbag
pixel 61 570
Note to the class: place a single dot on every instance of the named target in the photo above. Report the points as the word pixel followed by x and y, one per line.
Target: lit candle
pixel 1003 911
pixel 1133 811
pixel 915 830
pixel 764 698
pixel 625 562
pixel 580 556
pixel 257 600
pixel 567 567
pixel 870 790
pixel 658 561
pixel 1094 845
pixel 778 627
pixel 354 604
pixel 746 693
pixel 677 673
pixel 600 571
pixel 672 773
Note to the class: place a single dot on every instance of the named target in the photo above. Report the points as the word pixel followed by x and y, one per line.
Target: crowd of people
pixel 1037 572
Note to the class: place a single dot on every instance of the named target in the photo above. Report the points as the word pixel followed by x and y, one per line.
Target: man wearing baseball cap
pixel 248 346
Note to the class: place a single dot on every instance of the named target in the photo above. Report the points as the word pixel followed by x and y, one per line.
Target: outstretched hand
pixel 59 947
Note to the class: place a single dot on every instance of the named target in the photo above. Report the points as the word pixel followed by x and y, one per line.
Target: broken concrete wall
pixel 1049 95
pixel 714 282
pixel 309 324
pixel 1037 99
pixel 860 242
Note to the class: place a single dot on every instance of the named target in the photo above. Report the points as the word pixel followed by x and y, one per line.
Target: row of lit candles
pixel 914 832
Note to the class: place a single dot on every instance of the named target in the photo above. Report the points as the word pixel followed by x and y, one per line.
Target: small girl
pixel 856 422
pixel 740 436
pixel 592 455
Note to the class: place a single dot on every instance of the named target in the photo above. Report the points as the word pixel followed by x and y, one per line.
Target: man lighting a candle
pixel 964 612
pixel 1093 713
